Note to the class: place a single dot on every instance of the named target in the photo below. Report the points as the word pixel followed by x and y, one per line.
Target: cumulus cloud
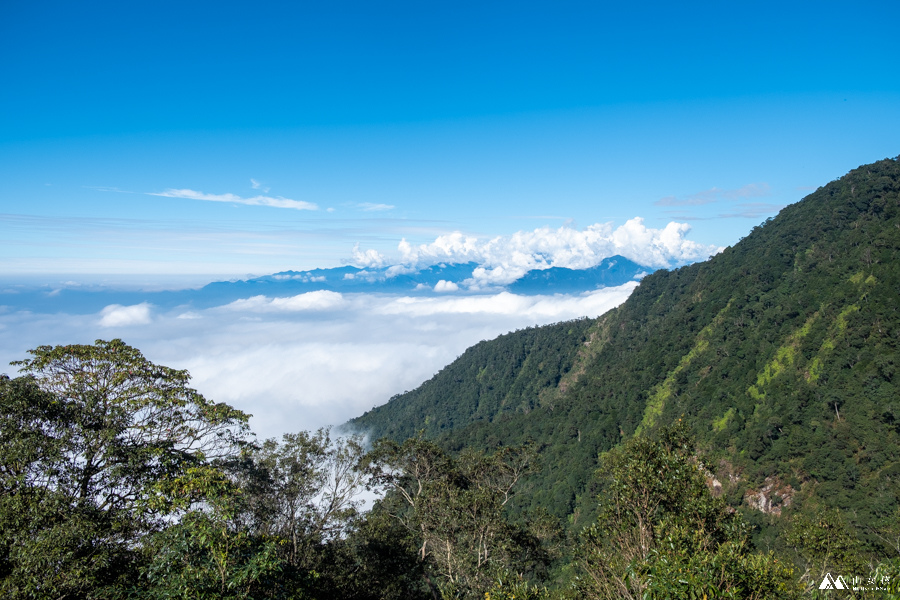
pixel 278 202
pixel 504 259
pixel 116 315
pixel 368 259
pixel 445 286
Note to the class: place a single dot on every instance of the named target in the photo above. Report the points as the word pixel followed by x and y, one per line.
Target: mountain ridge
pixel 780 352
pixel 611 271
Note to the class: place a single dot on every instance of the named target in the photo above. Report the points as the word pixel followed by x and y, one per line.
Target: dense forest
pixel 731 431
pixel 780 354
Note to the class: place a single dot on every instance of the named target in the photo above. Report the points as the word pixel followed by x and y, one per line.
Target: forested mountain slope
pixel 781 353
pixel 492 378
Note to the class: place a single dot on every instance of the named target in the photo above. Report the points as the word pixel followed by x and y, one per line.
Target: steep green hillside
pixel 781 353
pixel 490 379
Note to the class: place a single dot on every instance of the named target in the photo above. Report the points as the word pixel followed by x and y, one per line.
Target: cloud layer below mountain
pixel 310 360
pixel 322 357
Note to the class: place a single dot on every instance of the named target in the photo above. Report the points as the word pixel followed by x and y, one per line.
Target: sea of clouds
pixel 311 360
pixel 320 358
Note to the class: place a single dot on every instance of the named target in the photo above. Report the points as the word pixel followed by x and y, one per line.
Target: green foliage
pixel 887 576
pixel 377 560
pixel 119 424
pixel 86 437
pixel 205 556
pixel 826 545
pixel 49 546
pixel 512 587
pixel 50 549
pixel 781 353
pixel 490 380
pixel 302 490
pixel 454 509
pixel 661 533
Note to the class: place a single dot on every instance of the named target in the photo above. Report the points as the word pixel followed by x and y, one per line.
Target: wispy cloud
pixel 227 246
pixel 752 210
pixel 277 202
pixel 105 188
pixel 751 190
pixel 116 315
pixel 371 207
pixel 256 185
pixel 743 210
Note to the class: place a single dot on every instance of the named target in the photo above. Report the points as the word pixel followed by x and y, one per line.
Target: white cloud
pixel 320 300
pixel 445 286
pixel 278 202
pixel 536 308
pixel 258 186
pixel 116 315
pixel 314 359
pixel 504 259
pixel 370 259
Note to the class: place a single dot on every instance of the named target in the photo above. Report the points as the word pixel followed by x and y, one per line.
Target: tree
pixel 127 423
pixel 376 560
pixel 208 553
pixel 49 546
pixel 661 533
pixel 275 521
pixel 825 544
pixel 86 437
pixel 302 490
pixel 455 510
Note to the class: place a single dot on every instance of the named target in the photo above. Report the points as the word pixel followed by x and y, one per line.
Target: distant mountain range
pixel 436 279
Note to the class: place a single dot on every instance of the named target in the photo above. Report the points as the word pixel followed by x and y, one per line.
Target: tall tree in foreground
pixel 85 438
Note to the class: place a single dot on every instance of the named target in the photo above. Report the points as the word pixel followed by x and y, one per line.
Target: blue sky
pixel 174 143
pixel 402 120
